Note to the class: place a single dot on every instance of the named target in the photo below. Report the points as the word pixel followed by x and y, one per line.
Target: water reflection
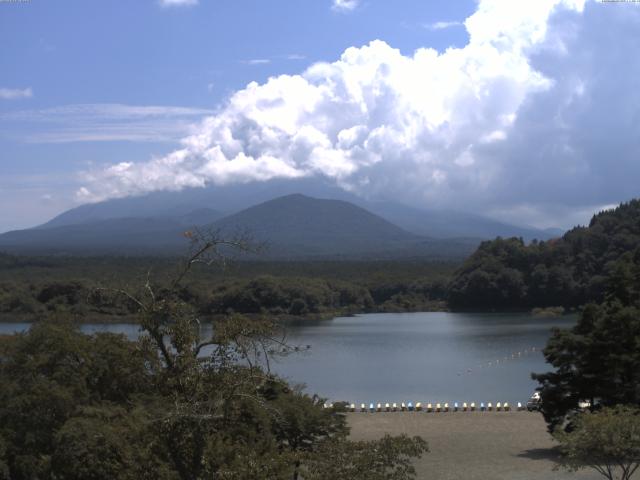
pixel 427 357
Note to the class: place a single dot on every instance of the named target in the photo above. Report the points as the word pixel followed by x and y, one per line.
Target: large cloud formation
pixel 535 120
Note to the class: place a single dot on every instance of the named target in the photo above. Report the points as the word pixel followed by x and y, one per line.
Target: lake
pixel 401 357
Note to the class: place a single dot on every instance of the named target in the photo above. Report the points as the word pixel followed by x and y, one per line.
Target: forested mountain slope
pixel 581 267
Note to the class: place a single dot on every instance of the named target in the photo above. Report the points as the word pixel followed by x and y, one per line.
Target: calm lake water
pixel 427 357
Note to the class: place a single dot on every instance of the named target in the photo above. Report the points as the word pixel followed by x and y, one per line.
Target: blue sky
pixel 96 98
pixel 145 54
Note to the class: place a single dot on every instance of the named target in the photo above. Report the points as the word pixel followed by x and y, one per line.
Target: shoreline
pixel 473 445
pixel 9 318
pixel 115 319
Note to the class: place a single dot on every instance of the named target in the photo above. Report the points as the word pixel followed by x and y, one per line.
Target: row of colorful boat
pixel 429 407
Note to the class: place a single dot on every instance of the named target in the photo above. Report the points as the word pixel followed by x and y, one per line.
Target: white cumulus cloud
pixel 500 121
pixel 345 5
pixel 257 61
pixel 15 93
pixel 442 25
pixel 178 3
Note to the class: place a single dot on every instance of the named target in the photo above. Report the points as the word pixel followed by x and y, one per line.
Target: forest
pixel 503 274
pixel 581 267
pixel 82 287
pixel 598 360
pixel 101 406
pixel 68 399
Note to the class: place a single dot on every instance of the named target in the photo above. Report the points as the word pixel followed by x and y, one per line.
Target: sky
pixel 526 111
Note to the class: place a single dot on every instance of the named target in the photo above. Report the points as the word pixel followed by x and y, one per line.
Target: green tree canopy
pixel 172 405
pixel 598 360
pixel 570 271
pixel 607 441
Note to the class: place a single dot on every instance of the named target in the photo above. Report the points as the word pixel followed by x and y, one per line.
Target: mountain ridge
pixel 294 226
pixel 234 198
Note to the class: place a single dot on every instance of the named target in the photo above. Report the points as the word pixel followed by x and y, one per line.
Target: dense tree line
pixel 172 405
pixel 570 271
pixel 75 406
pixel 303 296
pixel 35 287
pixel 293 296
pixel 599 359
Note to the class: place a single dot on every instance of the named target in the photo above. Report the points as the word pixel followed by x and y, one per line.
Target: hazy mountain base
pixel 293 227
pixel 230 199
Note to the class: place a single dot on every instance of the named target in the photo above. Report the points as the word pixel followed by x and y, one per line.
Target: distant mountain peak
pixel 293 196
pixel 296 217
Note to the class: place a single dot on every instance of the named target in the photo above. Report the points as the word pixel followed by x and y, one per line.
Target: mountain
pixel 453 224
pixel 292 226
pixel 129 235
pixel 554 232
pixel 225 198
pixel 231 199
pixel 121 235
pixel 297 224
pixel 199 216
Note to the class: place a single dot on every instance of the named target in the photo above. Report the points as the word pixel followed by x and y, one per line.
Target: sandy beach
pixel 473 446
